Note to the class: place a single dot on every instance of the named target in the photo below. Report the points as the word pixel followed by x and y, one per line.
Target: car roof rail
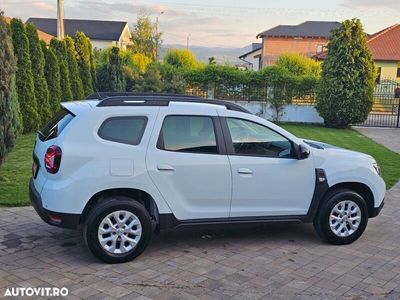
pixel 157 99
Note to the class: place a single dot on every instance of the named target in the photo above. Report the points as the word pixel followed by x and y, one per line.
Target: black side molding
pixel 168 221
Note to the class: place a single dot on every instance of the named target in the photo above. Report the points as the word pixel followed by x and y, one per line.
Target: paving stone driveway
pixel 280 261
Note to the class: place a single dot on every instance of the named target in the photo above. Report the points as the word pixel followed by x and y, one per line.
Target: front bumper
pixel 51 217
pixel 377 210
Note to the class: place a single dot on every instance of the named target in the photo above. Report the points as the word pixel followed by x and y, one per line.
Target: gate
pixel 386 108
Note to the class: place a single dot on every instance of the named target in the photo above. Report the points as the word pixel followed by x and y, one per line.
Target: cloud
pixel 372 4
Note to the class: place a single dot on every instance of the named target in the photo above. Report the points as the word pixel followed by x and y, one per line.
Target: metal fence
pixel 386 108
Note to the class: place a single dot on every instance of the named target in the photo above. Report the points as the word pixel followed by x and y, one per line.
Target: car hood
pixel 336 151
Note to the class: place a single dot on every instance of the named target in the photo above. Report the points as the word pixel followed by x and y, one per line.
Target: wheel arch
pixel 360 188
pixel 135 194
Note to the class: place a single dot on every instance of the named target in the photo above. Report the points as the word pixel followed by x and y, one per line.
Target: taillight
pixel 52 159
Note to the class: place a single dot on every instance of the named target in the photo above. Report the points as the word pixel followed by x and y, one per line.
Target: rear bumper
pixel 51 217
pixel 377 210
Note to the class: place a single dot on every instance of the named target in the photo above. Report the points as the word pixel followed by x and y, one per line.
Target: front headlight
pixel 377 169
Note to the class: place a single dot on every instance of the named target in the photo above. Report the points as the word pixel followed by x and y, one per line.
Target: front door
pixel 267 178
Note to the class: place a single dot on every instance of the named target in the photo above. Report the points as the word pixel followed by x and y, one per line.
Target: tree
pixel 38 64
pixel 345 94
pixel 115 71
pixel 181 58
pixel 145 37
pixel 60 51
pixel 24 78
pixel 52 75
pixel 9 108
pixel 74 78
pixel 85 61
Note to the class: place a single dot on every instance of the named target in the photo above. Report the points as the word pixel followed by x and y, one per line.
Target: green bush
pixel 60 50
pixel 38 64
pixel 299 65
pixel 52 75
pixel 24 78
pixel 85 60
pixel 9 108
pixel 181 58
pixel 74 78
pixel 345 94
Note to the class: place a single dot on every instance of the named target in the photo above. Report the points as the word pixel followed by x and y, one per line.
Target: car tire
pixel 342 217
pixel 113 239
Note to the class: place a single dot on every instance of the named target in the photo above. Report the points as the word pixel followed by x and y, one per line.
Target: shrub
pixel 299 65
pixel 38 64
pixel 52 75
pixel 24 78
pixel 60 51
pixel 9 109
pixel 181 58
pixel 85 60
pixel 345 93
pixel 74 78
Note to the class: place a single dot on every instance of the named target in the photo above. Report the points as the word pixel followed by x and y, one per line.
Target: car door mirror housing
pixel 303 152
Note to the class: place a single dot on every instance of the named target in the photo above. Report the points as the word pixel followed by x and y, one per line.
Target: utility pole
pixel 157 39
pixel 187 42
pixel 60 20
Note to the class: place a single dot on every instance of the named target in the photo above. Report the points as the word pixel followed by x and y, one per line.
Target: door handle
pixel 245 171
pixel 162 167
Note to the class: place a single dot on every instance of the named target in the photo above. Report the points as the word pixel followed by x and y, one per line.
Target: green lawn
pixel 388 160
pixel 16 170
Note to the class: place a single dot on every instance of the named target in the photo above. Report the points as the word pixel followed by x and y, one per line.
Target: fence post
pixel 210 91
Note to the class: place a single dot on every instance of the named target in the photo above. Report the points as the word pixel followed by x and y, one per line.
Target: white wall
pixel 254 60
pixel 305 113
pixel 101 44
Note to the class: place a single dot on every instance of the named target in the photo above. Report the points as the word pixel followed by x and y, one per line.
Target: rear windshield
pixel 55 126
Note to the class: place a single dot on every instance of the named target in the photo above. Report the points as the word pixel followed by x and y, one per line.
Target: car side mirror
pixel 303 152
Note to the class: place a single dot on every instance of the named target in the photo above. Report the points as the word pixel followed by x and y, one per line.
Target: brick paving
pixel 277 261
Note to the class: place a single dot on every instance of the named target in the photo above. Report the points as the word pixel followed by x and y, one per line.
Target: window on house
pixel 398 72
pixel 320 48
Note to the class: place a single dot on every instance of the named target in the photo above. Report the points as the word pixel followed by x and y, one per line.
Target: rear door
pixel 187 162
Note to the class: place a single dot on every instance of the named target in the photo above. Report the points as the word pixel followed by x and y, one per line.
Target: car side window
pixel 250 138
pixel 125 130
pixel 195 134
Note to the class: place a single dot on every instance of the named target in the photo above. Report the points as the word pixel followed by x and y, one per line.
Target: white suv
pixel 126 165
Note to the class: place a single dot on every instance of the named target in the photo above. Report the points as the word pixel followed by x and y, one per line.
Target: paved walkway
pixel 279 261
pixel 390 137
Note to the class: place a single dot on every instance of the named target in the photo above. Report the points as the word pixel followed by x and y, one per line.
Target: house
pixel 307 38
pixel 42 35
pixel 252 58
pixel 101 33
pixel 385 49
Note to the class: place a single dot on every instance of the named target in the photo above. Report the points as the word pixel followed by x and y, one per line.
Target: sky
pixel 212 23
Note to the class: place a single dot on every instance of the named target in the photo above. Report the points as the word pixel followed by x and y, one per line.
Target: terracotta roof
pixel 385 44
pixel 42 35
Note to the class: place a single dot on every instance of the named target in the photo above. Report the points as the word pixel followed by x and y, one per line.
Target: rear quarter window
pixel 55 126
pixel 125 130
